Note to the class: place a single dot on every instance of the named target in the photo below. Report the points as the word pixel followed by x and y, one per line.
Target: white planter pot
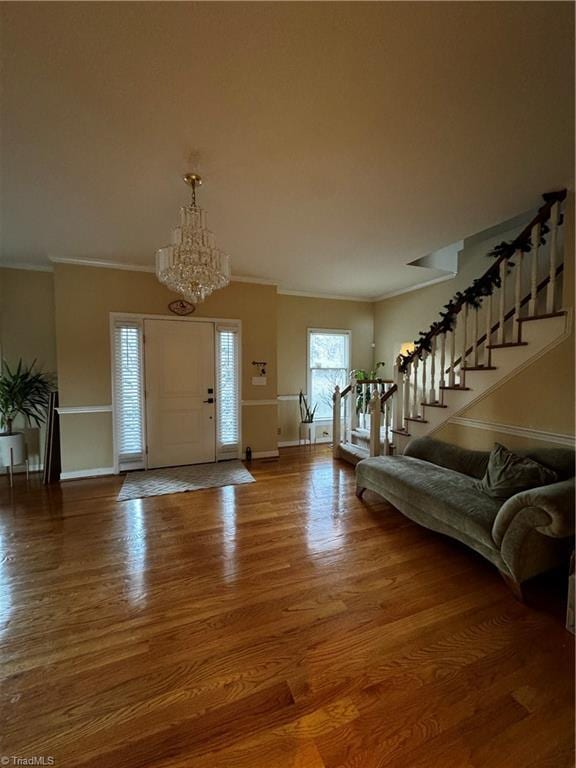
pixel 15 443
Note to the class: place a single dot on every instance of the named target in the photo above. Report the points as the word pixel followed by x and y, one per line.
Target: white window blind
pixel 328 365
pixel 128 392
pixel 228 390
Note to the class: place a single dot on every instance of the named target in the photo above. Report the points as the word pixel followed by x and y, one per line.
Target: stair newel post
pixel 452 373
pixel 406 401
pixel 353 407
pixel 488 330
pixel 432 394
pixel 336 422
pixel 535 239
pixel 464 314
pixel 415 393
pixel 442 364
pixel 501 336
pixel 375 424
pixel 387 419
pixel 398 397
pixel 475 337
pixel 518 293
pixel 424 366
pixel 551 290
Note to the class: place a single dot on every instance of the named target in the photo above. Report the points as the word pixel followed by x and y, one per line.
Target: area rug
pixel 159 482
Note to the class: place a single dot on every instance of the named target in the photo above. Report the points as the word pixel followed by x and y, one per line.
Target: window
pixel 128 394
pixel 228 388
pixel 328 365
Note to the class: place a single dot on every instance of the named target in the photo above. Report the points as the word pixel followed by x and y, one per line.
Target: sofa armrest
pixel 548 509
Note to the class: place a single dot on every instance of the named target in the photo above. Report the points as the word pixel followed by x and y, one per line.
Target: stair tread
pixel 415 418
pixel 434 405
pixel 546 316
pixel 458 389
pixel 508 344
pixel 401 432
pixel 480 368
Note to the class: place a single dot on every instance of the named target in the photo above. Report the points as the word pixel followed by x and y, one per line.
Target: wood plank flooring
pixel 279 624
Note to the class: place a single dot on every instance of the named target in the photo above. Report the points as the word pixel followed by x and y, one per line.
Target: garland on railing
pixel 485 285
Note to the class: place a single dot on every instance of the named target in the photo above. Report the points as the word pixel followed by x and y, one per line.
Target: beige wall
pixel 27 332
pixel 399 319
pixel 86 296
pixel 295 315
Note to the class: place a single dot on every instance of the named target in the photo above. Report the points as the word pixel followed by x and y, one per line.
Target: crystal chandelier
pixel 192 265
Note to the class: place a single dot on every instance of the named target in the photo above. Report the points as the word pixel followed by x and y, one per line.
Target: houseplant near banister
pixel 359 376
pixel 25 392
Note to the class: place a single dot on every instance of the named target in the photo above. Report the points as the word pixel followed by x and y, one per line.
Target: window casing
pixel 227 392
pixel 328 366
pixel 128 382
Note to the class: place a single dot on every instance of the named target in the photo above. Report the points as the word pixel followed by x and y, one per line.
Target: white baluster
pixel 442 361
pixel 551 290
pixel 374 408
pixel 415 409
pixel 518 293
pixel 452 372
pixel 433 370
pixel 336 423
pixel 475 337
pixel 407 390
pixel 501 336
pixel 488 331
pixel 354 413
pixel 534 269
pixel 424 365
pixel 364 404
pixel 387 419
pixel 398 399
pixel 464 314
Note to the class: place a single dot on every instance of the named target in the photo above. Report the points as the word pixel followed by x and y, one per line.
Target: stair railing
pixel 524 273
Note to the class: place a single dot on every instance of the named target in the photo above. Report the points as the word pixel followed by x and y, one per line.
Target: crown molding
pixel 28 267
pixel 234 278
pixel 102 264
pixel 311 295
pixel 257 280
pixel 416 287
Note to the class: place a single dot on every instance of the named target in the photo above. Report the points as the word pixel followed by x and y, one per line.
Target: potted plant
pixel 306 414
pixel 359 376
pixel 23 392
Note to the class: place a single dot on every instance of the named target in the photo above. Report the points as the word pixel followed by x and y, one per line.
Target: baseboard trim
pixel 78 474
pixel 263 455
pixel 292 443
pixel 555 438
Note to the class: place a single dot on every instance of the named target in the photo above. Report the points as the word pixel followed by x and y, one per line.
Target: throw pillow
pixel 508 474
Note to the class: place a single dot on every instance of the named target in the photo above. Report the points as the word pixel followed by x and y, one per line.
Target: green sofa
pixel 437 485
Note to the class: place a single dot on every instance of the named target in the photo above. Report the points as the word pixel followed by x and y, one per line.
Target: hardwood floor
pixel 282 623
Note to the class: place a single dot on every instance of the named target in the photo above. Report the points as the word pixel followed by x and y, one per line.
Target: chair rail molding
pixel 63 410
pixel 556 438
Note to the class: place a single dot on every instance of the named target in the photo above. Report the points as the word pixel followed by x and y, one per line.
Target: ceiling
pixel 338 141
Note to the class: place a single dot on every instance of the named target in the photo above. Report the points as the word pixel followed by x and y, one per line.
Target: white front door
pixel 180 423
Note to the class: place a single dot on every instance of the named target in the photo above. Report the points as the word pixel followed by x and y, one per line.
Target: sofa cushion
pixel 508 474
pixel 463 460
pixel 449 496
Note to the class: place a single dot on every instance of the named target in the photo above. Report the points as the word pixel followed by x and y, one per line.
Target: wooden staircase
pixel 516 303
